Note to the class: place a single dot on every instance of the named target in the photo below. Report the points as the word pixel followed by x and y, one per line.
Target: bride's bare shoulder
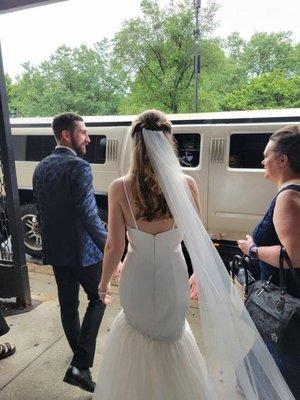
pixel 190 181
pixel 117 186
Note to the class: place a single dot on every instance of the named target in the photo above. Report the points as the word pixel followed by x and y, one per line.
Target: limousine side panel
pixel 221 151
pixel 238 194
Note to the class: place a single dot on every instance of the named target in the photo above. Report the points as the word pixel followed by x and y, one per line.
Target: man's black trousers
pixel 82 339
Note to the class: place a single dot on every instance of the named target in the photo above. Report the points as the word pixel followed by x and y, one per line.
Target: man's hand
pixel 193 288
pixel 216 236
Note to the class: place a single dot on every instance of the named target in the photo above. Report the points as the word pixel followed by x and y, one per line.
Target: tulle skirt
pixel 136 367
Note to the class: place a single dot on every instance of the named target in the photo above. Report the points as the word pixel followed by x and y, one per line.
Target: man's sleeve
pixel 85 203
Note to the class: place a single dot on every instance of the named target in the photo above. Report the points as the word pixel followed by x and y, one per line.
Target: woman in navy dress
pixel 280 226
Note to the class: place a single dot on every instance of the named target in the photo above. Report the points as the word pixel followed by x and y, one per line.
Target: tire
pixel 32 236
pixel 31 232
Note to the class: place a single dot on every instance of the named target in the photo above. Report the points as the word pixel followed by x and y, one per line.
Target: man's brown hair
pixel 65 121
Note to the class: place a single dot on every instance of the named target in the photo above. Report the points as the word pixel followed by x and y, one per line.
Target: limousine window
pixel 188 146
pixel 246 150
pixel 37 147
pixel 96 150
pixel 33 147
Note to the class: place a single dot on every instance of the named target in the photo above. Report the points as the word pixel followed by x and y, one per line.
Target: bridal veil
pixel 231 345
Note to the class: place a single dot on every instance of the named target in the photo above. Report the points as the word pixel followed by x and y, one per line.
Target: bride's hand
pixel 118 271
pixel 104 293
pixel 193 288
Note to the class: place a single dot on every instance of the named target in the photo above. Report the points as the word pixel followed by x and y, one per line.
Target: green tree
pixel 266 52
pixel 12 104
pixel 270 90
pixel 156 53
pixel 79 79
pixel 296 59
pixel 235 69
pixel 235 46
pixel 262 72
pixel 150 63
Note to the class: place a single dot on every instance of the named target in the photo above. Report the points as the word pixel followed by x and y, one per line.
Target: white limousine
pixel 222 151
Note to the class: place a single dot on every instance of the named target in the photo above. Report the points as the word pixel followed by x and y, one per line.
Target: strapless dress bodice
pixel 154 288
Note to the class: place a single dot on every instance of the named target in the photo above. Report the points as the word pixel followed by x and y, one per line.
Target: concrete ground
pixel 36 370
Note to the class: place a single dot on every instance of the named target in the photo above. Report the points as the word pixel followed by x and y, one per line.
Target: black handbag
pixel 276 313
pixel 240 274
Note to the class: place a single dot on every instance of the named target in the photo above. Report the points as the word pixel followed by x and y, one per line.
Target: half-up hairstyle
pixel 147 195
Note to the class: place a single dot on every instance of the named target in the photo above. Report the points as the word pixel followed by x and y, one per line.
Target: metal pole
pixel 197 60
pixel 19 273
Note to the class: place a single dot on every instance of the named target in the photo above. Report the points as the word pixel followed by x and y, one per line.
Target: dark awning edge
pixel 17 5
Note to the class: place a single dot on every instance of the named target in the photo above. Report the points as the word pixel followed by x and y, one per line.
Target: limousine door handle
pixel 217 149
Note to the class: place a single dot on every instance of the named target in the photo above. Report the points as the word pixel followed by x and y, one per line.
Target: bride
pixel 150 352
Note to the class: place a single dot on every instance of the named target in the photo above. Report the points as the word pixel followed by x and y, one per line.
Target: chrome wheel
pixel 32 236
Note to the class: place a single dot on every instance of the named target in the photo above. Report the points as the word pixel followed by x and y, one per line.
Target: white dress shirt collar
pixel 59 146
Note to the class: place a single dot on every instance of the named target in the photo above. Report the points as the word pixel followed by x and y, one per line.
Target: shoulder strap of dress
pixel 292 186
pixel 128 201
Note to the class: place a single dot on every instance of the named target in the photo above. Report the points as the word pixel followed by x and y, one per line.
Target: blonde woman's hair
pixel 147 195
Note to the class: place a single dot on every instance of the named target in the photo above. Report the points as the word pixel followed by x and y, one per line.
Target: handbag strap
pixel 285 257
pixel 234 266
pixel 241 262
pixel 245 261
pixel 281 271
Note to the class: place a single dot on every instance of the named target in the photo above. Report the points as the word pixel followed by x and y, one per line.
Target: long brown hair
pixel 147 195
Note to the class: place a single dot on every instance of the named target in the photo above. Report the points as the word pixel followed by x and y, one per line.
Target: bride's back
pixel 141 198
pixel 154 281
pixel 154 226
pixel 137 198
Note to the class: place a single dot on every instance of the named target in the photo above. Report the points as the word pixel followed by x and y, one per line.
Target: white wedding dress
pixel 150 352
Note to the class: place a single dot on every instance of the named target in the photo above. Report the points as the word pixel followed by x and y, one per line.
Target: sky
pixel 34 34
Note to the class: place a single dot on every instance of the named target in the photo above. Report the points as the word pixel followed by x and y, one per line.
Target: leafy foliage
pixel 150 63
pixel 156 51
pixel 269 90
pixel 79 79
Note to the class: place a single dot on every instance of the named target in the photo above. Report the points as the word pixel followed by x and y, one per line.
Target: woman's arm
pixel 115 243
pixel 195 193
pixel 286 220
pixel 196 196
pixel 268 254
pixel 287 223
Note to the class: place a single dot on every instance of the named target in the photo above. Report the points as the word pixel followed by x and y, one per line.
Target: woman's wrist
pixel 253 252
pixel 103 287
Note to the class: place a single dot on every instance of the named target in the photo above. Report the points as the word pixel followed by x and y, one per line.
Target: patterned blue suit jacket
pixel 72 232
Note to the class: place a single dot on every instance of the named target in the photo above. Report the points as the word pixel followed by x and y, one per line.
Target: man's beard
pixel 80 150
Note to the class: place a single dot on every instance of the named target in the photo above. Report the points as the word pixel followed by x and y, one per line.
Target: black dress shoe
pixel 80 377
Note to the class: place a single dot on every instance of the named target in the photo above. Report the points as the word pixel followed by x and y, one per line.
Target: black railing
pixel 14 282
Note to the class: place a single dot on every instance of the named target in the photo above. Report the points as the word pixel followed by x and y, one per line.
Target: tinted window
pixel 246 150
pixel 37 147
pixel 33 147
pixel 96 150
pixel 188 146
